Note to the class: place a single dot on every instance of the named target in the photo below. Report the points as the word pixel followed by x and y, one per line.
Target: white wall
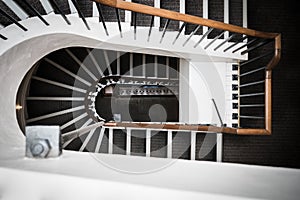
pixel 81 175
pixel 199 83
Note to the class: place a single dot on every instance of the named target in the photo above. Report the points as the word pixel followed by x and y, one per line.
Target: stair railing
pixel 256 40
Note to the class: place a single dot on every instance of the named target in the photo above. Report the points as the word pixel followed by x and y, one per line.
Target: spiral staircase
pixel 83 48
pixel 72 62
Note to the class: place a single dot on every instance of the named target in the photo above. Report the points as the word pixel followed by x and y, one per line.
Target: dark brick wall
pixel 159 144
pixel 193 7
pixel 206 147
pixel 236 15
pixel 142 19
pixel 64 6
pixel 138 143
pixel 170 5
pixel 145 2
pixel 181 144
pixel 119 141
pixel 282 148
pixel 109 14
pixel 236 12
pixel 215 12
pixel 86 7
pixel 34 3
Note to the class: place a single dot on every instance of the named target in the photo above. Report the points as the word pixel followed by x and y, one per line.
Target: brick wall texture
pixel 282 148
pixel 34 3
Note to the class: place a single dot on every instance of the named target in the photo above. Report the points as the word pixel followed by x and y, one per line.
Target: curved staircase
pixel 85 51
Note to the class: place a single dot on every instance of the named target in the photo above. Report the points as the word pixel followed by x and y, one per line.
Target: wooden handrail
pixel 172 15
pixel 277 54
pixel 173 126
pixel 187 127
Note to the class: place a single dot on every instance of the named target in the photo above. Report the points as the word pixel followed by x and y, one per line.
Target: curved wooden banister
pixel 173 126
pixel 277 53
pixel 172 15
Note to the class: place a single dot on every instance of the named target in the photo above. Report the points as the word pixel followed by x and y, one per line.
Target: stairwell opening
pixel 77 86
